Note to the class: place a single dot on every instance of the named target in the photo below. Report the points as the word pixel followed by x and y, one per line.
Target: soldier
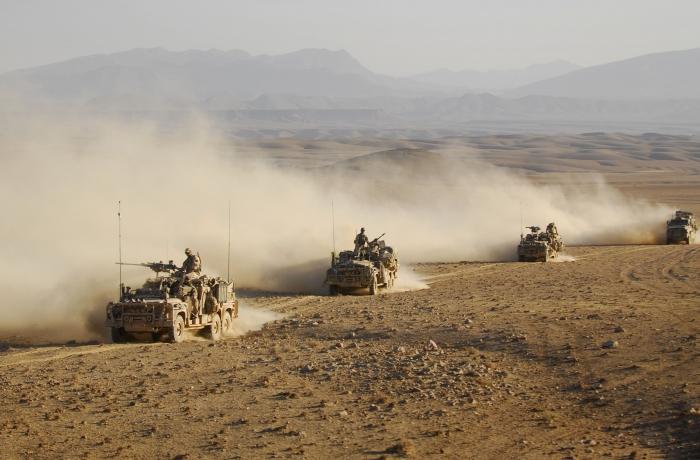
pixel 374 250
pixel 192 264
pixel 553 236
pixel 361 241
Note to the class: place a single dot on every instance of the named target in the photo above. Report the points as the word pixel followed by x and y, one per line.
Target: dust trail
pixel 409 280
pixel 564 258
pixel 61 179
pixel 195 335
pixel 251 319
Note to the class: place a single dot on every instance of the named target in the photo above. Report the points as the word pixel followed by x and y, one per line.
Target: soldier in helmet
pixel 190 273
pixel 361 241
pixel 192 264
pixel 553 236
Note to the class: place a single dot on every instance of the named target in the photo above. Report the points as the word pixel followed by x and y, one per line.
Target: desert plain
pixel 593 357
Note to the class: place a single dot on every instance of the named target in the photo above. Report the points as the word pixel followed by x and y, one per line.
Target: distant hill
pixel 471 107
pixel 157 78
pixel 408 158
pixel 669 75
pixel 315 88
pixel 495 80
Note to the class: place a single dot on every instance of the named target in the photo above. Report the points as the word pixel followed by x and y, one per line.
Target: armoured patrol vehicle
pixel 172 303
pixel 682 228
pixel 370 268
pixel 539 246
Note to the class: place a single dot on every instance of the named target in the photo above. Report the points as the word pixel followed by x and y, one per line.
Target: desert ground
pixel 593 357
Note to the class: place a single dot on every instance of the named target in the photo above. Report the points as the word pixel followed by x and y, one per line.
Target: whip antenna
pixel 228 257
pixel 521 218
pixel 333 223
pixel 119 225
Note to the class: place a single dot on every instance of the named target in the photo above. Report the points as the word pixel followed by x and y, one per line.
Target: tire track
pixel 56 353
pixel 664 274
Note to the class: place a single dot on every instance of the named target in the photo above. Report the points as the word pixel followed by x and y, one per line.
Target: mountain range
pixel 661 86
pixel 495 80
pixel 658 76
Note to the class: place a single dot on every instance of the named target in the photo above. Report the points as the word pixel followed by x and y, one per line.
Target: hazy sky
pixel 398 37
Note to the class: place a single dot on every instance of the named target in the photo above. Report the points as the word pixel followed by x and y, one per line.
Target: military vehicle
pixel 539 246
pixel 681 229
pixel 371 268
pixel 172 303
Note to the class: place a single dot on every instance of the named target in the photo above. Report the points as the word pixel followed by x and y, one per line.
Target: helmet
pixel 188 251
pixel 362 229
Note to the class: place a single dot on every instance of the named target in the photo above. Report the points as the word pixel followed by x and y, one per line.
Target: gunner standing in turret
pixel 192 264
pixel 361 241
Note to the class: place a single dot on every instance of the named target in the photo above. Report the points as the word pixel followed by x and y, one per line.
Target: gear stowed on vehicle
pixel 176 300
pixel 539 246
pixel 372 265
pixel 682 228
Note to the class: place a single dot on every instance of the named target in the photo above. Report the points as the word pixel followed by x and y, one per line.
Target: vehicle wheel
pixel 373 286
pixel 215 328
pixel 521 258
pixel 333 290
pixel 178 333
pixel 227 323
pixel 118 335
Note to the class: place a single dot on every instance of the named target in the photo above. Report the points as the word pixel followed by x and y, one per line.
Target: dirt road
pixel 592 358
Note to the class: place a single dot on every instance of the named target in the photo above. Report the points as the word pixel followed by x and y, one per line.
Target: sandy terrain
pixel 518 368
pixel 596 357
pixel 605 153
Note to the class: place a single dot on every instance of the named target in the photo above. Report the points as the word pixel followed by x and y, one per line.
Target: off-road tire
pixel 118 335
pixel 333 290
pixel 521 258
pixel 178 333
pixel 373 287
pixel 227 323
pixel 214 329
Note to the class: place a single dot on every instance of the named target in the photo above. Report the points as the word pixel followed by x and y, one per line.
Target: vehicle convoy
pixel 172 303
pixel 370 266
pixel 539 246
pixel 682 228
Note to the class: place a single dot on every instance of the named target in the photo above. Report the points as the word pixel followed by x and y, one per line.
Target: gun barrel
pixel 377 238
pixel 155 266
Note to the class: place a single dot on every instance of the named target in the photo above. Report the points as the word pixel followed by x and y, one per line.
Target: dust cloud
pixel 564 258
pixel 251 319
pixel 409 280
pixel 61 181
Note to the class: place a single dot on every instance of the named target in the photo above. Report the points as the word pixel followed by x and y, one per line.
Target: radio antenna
pixel 333 223
pixel 119 225
pixel 228 257
pixel 521 218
